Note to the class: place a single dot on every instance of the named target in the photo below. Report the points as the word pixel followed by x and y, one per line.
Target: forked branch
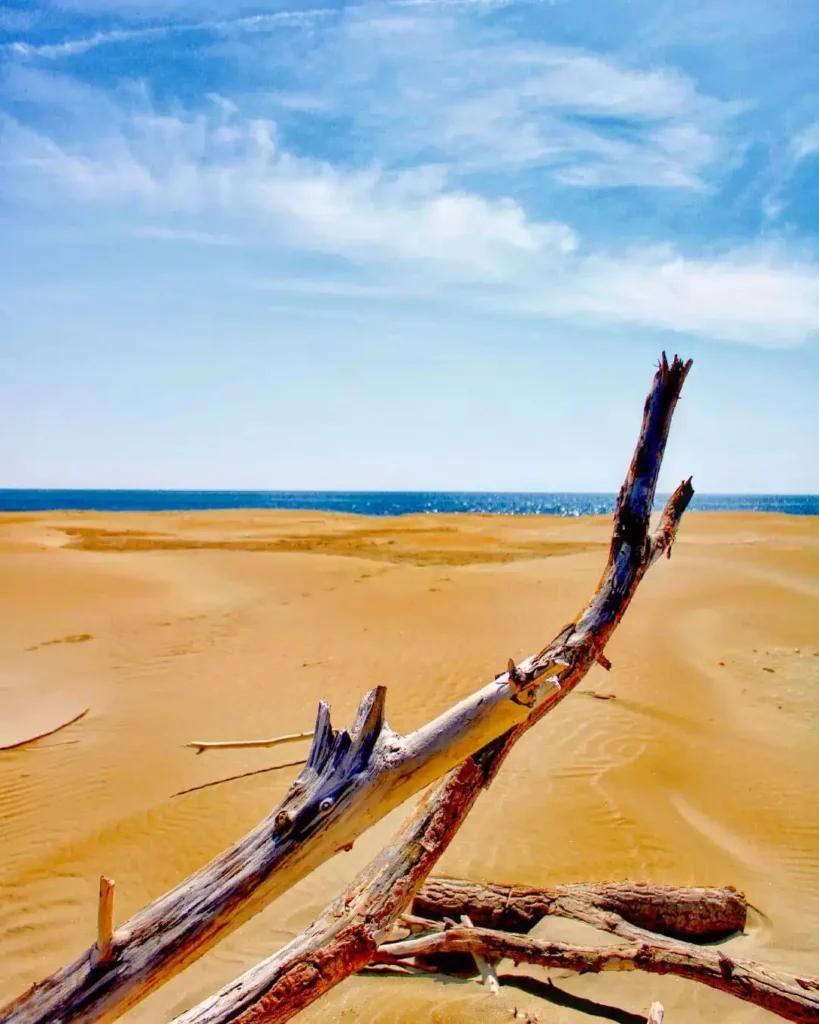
pixel 352 779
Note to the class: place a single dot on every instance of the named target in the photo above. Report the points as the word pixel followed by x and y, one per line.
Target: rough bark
pixel 346 935
pixel 565 661
pixel 794 999
pixel 692 913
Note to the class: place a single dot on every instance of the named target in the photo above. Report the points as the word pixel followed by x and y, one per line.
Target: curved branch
pixel 794 999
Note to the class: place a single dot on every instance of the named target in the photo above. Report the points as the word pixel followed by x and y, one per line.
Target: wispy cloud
pixel 412 76
pixel 247 23
pixel 476 96
pixel 414 231
pixel 71 47
pixel 426 148
pixel 807 141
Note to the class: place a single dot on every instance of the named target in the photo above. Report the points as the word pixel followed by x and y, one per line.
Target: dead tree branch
pixel 279 983
pixel 352 779
pixel 794 999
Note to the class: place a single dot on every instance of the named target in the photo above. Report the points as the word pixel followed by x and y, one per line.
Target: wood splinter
pixel 105 921
pixel 486 968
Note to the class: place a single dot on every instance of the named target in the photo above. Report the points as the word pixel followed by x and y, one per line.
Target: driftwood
pixel 235 778
pixel 352 779
pixel 794 999
pixel 48 732
pixel 337 942
pixel 202 745
pixel 694 914
pixel 345 937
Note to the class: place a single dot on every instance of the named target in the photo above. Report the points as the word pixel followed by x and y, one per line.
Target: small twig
pixel 202 745
pixel 486 968
pixel 233 778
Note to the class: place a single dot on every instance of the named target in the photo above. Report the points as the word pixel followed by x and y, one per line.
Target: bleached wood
pixel 346 935
pixel 486 968
pixel 201 745
pixel 352 779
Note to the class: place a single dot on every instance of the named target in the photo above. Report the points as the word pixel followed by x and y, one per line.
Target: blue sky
pixel 406 244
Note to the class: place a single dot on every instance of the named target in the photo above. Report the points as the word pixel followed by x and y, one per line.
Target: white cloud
pixel 439 78
pixel 479 98
pixel 247 23
pixel 405 233
pixel 756 297
pixel 71 47
pixel 806 142
pixel 234 166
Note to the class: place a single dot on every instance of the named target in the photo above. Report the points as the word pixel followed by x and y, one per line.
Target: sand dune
pixel 170 627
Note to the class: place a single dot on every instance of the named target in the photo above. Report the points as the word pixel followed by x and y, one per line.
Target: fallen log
pixel 276 989
pixel 352 779
pixel 696 914
pixel 794 999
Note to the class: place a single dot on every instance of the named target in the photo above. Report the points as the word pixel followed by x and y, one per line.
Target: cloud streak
pixel 412 231
pixel 248 23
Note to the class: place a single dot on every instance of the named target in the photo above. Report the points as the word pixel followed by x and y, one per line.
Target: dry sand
pixel 170 627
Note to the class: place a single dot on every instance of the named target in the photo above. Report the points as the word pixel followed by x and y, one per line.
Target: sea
pixel 382 503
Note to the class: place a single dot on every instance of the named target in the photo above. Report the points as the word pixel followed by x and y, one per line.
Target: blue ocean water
pixel 381 503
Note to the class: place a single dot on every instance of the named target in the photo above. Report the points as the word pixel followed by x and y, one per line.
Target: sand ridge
pixel 704 768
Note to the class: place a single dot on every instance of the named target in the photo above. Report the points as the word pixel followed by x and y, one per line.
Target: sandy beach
pixel 170 627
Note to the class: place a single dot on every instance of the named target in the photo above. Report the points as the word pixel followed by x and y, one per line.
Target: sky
pixel 407 244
